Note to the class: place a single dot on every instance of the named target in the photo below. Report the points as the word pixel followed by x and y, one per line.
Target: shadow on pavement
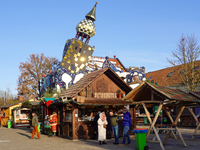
pixel 24 134
pixel 110 145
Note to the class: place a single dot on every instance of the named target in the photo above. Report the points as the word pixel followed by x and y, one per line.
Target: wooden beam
pixel 152 96
pixel 155 119
pixel 179 133
pixel 197 121
pixel 155 131
pixel 134 117
pixel 193 115
pixel 179 114
pixel 73 124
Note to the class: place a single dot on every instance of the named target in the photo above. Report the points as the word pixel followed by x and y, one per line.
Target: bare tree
pixel 31 74
pixel 185 60
pixel 7 97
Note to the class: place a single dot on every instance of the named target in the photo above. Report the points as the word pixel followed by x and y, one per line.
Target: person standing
pixel 53 123
pixel 115 127
pixel 35 125
pixel 102 122
pixel 127 124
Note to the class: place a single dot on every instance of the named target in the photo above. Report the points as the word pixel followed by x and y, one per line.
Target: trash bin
pixel 165 120
pixel 9 123
pixel 38 128
pixel 140 138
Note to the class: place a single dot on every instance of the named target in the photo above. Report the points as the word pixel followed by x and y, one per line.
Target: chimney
pixel 20 98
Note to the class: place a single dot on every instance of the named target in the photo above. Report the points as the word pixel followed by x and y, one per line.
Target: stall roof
pixel 35 102
pixel 9 105
pixel 167 93
pixel 89 78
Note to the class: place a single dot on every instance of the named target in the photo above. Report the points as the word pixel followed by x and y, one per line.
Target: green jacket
pixel 114 120
pixel 35 120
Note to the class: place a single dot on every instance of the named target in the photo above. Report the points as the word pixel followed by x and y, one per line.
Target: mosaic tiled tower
pixel 77 51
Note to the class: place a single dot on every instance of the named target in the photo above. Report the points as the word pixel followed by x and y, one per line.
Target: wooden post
pixel 43 117
pixel 134 117
pixel 58 121
pixel 152 124
pixel 152 96
pixel 197 121
pixel 61 119
pixel 155 119
pixel 74 120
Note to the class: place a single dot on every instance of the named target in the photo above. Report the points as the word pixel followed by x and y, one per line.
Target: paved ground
pixel 18 139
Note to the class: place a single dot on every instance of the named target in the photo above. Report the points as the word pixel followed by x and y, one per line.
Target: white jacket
pixel 101 129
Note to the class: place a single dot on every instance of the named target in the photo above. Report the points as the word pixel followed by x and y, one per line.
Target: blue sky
pixel 139 33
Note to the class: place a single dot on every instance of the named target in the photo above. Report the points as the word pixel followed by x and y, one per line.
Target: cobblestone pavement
pixel 18 139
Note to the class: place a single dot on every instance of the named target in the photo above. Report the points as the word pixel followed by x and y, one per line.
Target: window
pixel 80 50
pixel 17 113
pixel 68 116
pixel 149 78
pixel 169 74
pixel 152 81
pixel 84 51
pixel 76 48
pixel 72 67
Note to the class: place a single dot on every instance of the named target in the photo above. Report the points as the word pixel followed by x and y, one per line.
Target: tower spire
pixel 92 14
pixel 86 28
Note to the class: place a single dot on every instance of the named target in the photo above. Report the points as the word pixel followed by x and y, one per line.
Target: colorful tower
pixel 77 52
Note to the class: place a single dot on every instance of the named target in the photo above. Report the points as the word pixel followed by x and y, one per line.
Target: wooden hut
pixel 7 112
pixel 22 114
pixel 78 105
pixel 147 95
pixel 15 113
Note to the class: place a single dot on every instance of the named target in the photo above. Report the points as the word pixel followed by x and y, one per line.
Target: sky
pixel 138 32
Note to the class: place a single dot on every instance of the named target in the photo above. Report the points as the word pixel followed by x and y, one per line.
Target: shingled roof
pixel 168 76
pixel 89 78
pixel 163 93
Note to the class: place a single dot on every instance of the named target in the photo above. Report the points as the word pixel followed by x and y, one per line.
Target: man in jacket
pixel 115 127
pixel 35 125
pixel 127 124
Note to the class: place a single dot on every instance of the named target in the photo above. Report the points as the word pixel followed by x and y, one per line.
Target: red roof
pixel 168 76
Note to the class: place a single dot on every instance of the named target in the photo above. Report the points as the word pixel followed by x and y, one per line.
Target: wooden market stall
pixel 78 105
pixel 7 113
pixel 166 99
pixel 11 110
pixel 22 113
